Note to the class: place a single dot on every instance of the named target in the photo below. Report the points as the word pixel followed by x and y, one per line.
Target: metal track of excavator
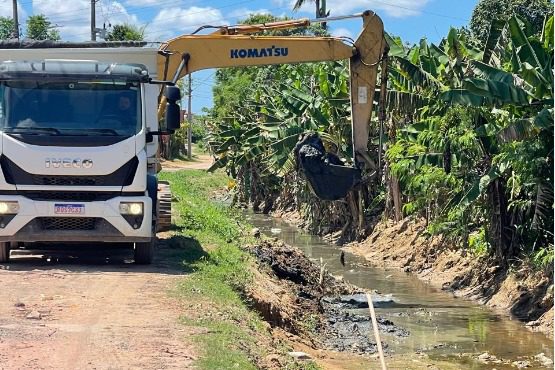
pixel 164 207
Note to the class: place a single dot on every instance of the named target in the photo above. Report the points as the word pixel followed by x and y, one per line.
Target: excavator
pixel 236 46
pixel 78 158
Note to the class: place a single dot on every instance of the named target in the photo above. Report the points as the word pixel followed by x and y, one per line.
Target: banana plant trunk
pixel 391 180
pixel 500 228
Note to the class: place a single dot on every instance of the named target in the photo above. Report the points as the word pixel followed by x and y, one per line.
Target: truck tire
pixel 4 252
pixel 164 216
pixel 144 252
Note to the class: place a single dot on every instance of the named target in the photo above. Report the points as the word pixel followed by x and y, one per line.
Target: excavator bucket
pixel 328 177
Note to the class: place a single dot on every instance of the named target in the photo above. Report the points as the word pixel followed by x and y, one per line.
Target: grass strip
pixel 211 235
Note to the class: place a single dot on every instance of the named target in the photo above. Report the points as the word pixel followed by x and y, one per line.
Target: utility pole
pixel 15 20
pixel 93 20
pixel 190 120
pixel 323 13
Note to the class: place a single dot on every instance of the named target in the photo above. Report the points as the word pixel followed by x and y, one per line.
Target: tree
pixel 7 26
pixel 40 28
pixel 320 7
pixel 474 150
pixel 534 12
pixel 232 84
pixel 126 32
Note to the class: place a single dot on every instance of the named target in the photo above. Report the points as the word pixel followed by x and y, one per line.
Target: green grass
pixel 211 235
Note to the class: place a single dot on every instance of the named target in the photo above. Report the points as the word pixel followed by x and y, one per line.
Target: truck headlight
pixel 131 208
pixel 9 208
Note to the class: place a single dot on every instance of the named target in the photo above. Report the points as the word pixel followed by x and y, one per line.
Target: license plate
pixel 69 209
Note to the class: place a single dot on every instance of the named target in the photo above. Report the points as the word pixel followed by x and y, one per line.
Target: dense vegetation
pixel 530 11
pixel 38 27
pixel 469 141
pixel 476 157
pixel 126 32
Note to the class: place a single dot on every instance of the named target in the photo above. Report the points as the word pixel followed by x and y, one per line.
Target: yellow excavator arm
pixel 234 47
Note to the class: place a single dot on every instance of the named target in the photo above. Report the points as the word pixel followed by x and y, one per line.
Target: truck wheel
pixel 145 251
pixel 4 252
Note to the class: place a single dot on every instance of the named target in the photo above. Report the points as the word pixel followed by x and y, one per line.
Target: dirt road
pixel 200 162
pixel 90 308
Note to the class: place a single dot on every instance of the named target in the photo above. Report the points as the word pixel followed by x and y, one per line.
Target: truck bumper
pixel 101 221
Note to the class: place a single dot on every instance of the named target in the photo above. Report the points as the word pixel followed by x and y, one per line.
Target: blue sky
pixel 163 19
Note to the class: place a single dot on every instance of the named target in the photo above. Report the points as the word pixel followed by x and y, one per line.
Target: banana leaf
pixel 501 91
pixel 462 97
pixel 495 31
pixel 465 198
pixel 454 47
pixel 439 54
pixel 396 48
pixel 520 43
pixel 488 72
pixel 547 34
pixel 417 74
pixel 225 145
pixel 220 163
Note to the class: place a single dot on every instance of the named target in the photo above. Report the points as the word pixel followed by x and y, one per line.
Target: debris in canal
pixel 315 305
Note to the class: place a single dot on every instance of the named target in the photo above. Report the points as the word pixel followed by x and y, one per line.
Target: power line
pixel 130 14
pixel 237 16
pixel 201 12
pixel 73 12
pixel 419 10
pixel 203 81
pixel 174 17
pixel 158 4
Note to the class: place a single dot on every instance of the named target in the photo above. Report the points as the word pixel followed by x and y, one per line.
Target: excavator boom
pixel 232 47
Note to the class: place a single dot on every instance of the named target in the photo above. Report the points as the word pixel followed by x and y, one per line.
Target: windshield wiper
pixel 33 130
pixel 104 131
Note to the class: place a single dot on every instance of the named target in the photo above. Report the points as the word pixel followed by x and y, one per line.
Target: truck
pixel 79 125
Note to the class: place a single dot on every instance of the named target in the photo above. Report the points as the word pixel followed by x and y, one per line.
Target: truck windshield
pixel 70 108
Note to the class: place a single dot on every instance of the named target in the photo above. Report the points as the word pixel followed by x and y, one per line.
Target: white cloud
pixel 115 13
pixel 242 13
pixel 141 2
pixel 342 32
pixel 176 21
pixel 394 8
pixel 73 17
pixel 280 2
pixel 6 10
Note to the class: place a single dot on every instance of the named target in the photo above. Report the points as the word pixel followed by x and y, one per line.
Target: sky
pixel 163 19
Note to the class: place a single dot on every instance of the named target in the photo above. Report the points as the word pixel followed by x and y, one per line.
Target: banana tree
pixel 507 89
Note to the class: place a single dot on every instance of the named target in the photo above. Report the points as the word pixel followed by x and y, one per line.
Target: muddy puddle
pixel 437 324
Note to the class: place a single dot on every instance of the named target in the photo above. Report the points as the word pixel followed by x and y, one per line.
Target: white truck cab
pixel 77 153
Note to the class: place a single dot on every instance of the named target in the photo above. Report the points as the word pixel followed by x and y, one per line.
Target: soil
pixel 294 294
pixel 524 293
pixel 199 162
pixel 89 307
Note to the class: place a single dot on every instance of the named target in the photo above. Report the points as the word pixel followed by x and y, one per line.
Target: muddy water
pixel 441 326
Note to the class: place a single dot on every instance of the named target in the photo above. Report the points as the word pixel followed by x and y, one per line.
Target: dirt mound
pixel 525 293
pixel 294 293
pixel 289 263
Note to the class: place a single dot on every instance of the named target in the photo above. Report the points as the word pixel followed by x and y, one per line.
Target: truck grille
pixel 68 180
pixel 123 176
pixel 77 196
pixel 68 223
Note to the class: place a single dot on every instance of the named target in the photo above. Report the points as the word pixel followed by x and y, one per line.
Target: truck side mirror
pixel 173 113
